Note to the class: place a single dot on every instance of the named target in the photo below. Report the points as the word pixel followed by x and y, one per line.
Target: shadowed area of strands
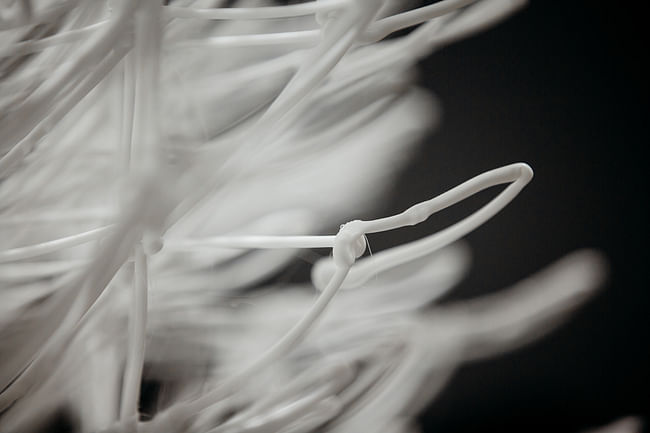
pixel 159 160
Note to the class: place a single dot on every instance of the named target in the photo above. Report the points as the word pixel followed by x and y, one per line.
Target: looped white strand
pixel 349 244
pixel 518 175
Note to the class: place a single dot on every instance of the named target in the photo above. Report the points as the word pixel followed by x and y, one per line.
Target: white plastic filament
pixel 158 161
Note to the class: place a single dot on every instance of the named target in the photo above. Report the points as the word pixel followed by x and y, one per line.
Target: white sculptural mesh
pixel 159 160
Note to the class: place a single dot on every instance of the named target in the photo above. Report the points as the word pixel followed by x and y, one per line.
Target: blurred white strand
pixel 36 250
pixel 258 13
pixel 32 46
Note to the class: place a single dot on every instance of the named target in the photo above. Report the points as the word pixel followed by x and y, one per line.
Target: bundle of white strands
pixel 159 161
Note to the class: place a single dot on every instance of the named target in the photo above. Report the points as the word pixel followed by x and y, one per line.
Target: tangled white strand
pixel 157 159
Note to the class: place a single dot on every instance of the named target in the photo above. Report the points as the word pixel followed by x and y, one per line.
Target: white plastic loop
pixel 344 254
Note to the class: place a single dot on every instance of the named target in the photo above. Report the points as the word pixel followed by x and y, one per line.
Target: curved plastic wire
pixel 36 250
pixel 256 13
pixel 517 174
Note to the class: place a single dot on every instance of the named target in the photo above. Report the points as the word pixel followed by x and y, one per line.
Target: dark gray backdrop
pixel 560 86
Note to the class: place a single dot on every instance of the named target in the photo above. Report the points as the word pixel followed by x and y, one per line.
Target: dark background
pixel 561 86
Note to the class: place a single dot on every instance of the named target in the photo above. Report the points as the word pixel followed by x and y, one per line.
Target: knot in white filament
pixel 349 244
